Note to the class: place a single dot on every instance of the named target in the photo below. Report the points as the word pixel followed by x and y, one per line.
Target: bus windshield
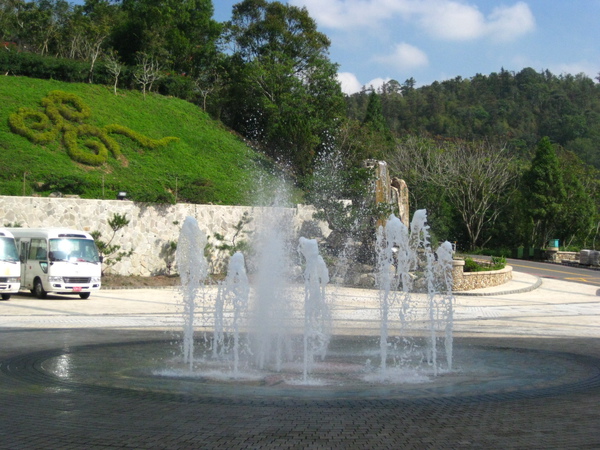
pixel 8 249
pixel 69 249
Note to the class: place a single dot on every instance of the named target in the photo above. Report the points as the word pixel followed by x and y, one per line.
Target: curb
pixel 534 286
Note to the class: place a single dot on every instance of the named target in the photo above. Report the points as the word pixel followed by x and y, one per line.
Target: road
pixel 556 271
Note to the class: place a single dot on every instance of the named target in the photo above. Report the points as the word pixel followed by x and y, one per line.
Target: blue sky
pixel 435 40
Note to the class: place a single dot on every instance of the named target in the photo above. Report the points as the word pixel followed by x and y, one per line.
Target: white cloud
pixel 404 57
pixel 349 82
pixel 347 14
pixel 585 67
pixel 507 23
pixel 376 83
pixel 449 20
pixel 588 68
pixel 442 19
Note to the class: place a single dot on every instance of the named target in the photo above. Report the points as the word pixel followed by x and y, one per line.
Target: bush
pixel 33 125
pixel 65 184
pixel 197 191
pixel 63 105
pixel 177 86
pixel 139 138
pixel 497 263
pixel 46 67
pixel 99 144
pixel 150 194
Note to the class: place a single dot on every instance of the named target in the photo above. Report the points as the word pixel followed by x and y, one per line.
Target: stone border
pixel 468 281
pixel 522 290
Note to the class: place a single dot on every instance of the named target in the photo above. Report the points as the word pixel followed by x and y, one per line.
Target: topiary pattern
pixel 65 113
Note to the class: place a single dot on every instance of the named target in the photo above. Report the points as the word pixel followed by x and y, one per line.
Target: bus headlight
pixel 55 279
pixel 96 279
pixel 13 280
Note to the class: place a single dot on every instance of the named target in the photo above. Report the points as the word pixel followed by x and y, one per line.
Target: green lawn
pixel 206 163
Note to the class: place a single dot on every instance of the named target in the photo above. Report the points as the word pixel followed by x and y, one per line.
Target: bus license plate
pixel 77 289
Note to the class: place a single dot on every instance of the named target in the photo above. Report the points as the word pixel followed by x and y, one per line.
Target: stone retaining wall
pixel 554 255
pixel 151 229
pixel 466 281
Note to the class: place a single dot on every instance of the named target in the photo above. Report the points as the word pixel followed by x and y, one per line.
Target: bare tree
pixel 476 178
pixel 147 71
pixel 114 66
pixel 206 82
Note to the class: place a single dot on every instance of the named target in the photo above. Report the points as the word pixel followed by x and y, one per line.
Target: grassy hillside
pixel 206 163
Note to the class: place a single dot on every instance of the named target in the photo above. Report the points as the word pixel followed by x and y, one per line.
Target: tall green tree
pixel 545 194
pixel 283 93
pixel 42 24
pixel 580 214
pixel 180 34
pixel 374 116
pixel 11 19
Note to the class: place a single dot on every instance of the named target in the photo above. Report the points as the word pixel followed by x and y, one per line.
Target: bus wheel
pixel 38 289
pixel 85 295
pixel 5 296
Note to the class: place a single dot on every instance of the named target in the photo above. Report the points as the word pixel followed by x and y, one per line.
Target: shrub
pixel 497 263
pixel 98 147
pixel 66 184
pixel 33 125
pixel 177 86
pixel 137 137
pixel 199 190
pixel 150 193
pixel 61 105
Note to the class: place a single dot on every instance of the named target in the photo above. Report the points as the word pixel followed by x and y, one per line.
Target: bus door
pixel 37 261
pixel 23 252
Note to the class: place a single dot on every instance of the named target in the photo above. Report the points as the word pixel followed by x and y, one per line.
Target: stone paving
pixel 38 410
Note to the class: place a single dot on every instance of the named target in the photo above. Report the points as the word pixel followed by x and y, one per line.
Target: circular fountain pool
pixel 481 372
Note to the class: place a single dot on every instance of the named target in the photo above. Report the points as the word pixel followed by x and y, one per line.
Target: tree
pixel 579 215
pixel 114 66
pixel 545 193
pixel 179 34
pixel 283 93
pixel 11 21
pixel 475 178
pixel 146 72
pixel 112 253
pixel 374 117
pixel 99 17
pixel 43 21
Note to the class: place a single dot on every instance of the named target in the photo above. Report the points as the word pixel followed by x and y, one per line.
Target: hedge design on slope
pixel 66 113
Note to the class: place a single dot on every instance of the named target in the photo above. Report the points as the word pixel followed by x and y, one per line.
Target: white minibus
pixel 58 261
pixel 10 266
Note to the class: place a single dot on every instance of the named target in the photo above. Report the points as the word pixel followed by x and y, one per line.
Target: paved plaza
pixel 550 326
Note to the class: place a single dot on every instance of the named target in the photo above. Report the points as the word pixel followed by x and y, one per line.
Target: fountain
pixel 283 329
pixel 282 332
pixel 193 270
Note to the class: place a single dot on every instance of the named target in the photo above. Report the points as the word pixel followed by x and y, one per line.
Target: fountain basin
pixel 348 373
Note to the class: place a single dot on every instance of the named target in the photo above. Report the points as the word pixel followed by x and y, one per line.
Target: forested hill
pixel 519 108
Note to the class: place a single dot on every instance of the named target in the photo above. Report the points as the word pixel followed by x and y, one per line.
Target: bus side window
pixel 38 250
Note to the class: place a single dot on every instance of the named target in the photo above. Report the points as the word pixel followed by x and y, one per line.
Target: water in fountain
pixel 317 318
pixel 274 330
pixel 403 255
pixel 234 292
pixel 271 317
pixel 193 270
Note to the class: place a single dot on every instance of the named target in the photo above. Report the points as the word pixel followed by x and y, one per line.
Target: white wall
pixel 152 226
